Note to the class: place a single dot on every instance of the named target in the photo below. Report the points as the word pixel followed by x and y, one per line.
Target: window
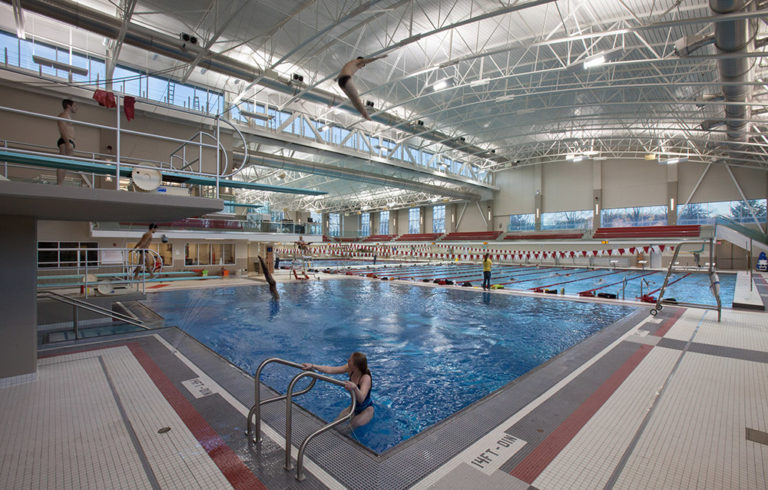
pixel 567 220
pixel 365 224
pixel 438 219
pixel 414 220
pixel 384 223
pixel 277 216
pixel 521 222
pixel 209 254
pixel 334 224
pixel 706 212
pixel 643 216
pixel 67 254
pixel 165 250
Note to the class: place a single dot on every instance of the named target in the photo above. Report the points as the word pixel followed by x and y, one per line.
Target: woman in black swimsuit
pixel 360 383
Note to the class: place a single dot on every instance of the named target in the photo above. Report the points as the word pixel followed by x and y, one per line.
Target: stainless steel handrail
pixel 76 303
pixel 288 420
pixel 715 292
pixel 256 408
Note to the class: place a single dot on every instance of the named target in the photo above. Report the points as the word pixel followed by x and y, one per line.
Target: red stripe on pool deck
pixel 667 323
pixel 235 471
pixel 531 467
pixel 232 467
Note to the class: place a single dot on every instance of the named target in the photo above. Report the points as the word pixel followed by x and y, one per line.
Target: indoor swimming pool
pixel 432 351
pixel 687 286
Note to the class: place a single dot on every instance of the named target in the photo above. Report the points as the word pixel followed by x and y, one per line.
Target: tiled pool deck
pixel 675 401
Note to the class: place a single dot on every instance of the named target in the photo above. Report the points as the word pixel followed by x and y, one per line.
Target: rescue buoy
pixel 715 280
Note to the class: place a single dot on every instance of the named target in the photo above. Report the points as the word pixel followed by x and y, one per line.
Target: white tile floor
pixel 89 421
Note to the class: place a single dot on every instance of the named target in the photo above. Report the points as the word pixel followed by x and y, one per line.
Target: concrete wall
pixel 34 130
pixel 18 301
pixel 570 186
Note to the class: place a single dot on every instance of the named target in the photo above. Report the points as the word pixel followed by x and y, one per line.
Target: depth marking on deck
pixel 197 387
pixel 476 448
pixel 504 447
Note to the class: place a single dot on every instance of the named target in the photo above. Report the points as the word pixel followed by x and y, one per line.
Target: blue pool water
pixel 432 351
pixel 684 287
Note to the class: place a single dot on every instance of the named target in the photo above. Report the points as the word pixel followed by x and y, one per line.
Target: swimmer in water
pixel 360 384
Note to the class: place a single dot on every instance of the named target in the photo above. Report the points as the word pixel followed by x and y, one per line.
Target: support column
pixel 597 193
pixel 672 194
pixel 537 199
pixel 18 298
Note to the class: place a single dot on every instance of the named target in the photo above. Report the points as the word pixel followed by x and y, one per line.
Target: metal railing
pixel 119 158
pixel 714 285
pixel 79 304
pixel 86 268
pixel 253 430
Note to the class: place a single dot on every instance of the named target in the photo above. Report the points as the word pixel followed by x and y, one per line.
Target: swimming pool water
pixel 432 351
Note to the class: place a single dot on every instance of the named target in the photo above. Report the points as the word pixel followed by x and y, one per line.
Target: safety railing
pixel 713 280
pixel 120 159
pixel 100 268
pixel 79 304
pixel 253 430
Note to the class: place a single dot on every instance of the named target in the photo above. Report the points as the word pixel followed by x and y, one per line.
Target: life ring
pixel 158 265
pixel 715 280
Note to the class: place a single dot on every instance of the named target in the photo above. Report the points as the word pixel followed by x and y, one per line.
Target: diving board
pixel 78 165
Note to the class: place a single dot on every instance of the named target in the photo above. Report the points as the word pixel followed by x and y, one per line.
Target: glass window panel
pixel 334 225
pixel 127 81
pixel 190 254
pixel 521 222
pixel 567 220
pixel 639 216
pixel 204 253
pixel 365 224
pixel 384 223
pixel 9 45
pixel 413 220
pixel 438 219
pixel 216 253
pixel 228 253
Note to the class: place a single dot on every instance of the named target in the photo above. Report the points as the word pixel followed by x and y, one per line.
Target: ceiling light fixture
pixel 442 84
pixel 602 58
pixel 256 115
pixel 480 83
pixel 672 161
pixel 503 98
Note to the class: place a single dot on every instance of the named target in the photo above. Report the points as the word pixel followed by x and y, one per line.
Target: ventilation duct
pixel 732 37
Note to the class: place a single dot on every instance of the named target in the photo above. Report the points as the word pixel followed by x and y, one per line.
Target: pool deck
pixel 673 401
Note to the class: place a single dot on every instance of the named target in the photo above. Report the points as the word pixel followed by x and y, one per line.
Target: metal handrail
pixel 288 420
pixel 658 306
pixel 76 303
pixel 256 408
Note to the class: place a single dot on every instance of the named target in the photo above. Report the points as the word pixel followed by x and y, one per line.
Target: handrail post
pixel 218 155
pixel 74 320
pixel 117 156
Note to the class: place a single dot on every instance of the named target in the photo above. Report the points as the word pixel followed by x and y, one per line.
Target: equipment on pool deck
pixel 762 262
pixel 714 280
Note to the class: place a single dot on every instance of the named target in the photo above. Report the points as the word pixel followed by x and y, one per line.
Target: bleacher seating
pixel 544 236
pixel 341 239
pixel 472 235
pixel 379 238
pixel 418 237
pixel 682 231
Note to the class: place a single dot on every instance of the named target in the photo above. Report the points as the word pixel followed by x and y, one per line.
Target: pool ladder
pixel 254 433
pixel 712 280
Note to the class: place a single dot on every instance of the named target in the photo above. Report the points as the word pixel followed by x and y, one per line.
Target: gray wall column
pixel 18 296
pixel 672 194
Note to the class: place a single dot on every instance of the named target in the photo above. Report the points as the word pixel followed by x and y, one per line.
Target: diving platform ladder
pixel 253 430
pixel 714 281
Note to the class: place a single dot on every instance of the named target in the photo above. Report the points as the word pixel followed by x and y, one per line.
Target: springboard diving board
pixel 74 165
